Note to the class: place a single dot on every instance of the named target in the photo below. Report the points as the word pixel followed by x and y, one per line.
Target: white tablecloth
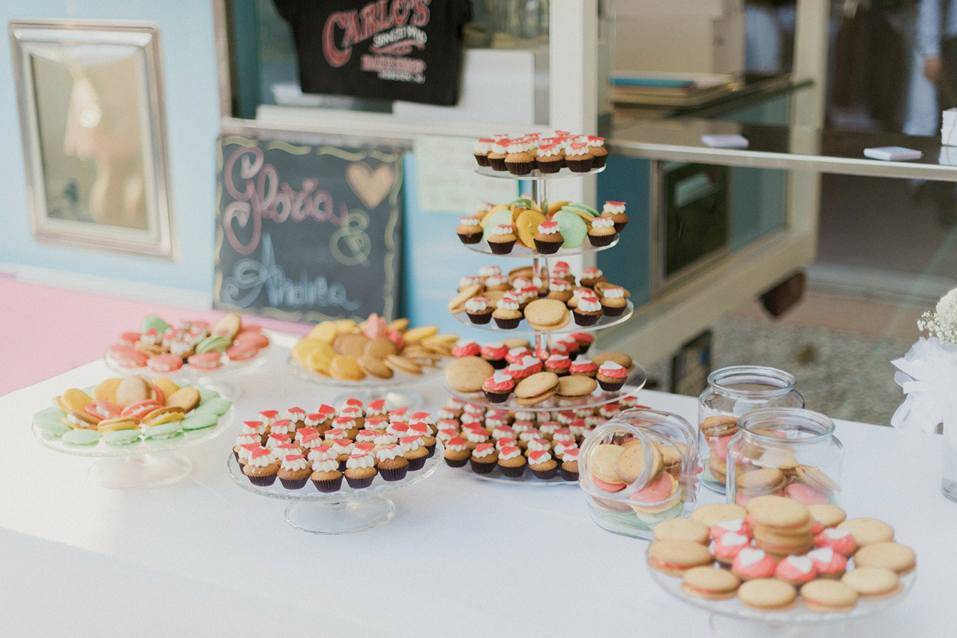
pixel 461 558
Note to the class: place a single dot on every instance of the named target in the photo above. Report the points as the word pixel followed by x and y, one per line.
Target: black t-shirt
pixel 390 49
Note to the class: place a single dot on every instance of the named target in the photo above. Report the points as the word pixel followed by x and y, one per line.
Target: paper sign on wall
pixel 447 181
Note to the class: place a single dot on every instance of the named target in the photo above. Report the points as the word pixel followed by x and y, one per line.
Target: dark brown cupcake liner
pixel 359 484
pixel 573 355
pixel 396 474
pixel 610 387
pixel 481 160
pixel 294 484
pixel 496 397
pixel 548 247
pixel 620 226
pixel 498 364
pixel 431 449
pixel 582 319
pixel 482 468
pixel 513 472
pixel 262 481
pixel 501 247
pixel 497 163
pixel 519 168
pixel 599 240
pixel 545 474
pixel 598 161
pixel 579 166
pixel 456 462
pixel 568 476
pixel 417 464
pixel 470 238
pixel 549 167
pixel 480 319
pixel 611 311
pixel 330 485
pixel 507 324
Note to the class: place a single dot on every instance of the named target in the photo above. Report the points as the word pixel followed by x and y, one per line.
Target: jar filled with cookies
pixel 639 469
pixel 785 451
pixel 732 392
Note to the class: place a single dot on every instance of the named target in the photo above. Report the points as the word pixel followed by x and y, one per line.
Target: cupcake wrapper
pixel 394 475
pixel 547 474
pixel 497 163
pixel 456 462
pixel 519 168
pixel 619 226
pixel 599 161
pixel 417 464
pixel 496 397
pixel 612 312
pixel 599 240
pixel 474 238
pixel 549 167
pixel 568 476
pixel 326 487
pixel 481 160
pixel 262 481
pixel 548 247
pixel 610 387
pixel 572 356
pixel 358 484
pixel 480 319
pixel 585 320
pixel 293 484
pixel 507 324
pixel 498 364
pixel 513 472
pixel 579 166
pixel 482 468
pixel 501 248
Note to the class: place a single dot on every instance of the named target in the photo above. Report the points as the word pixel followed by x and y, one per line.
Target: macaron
pixel 212 343
pixel 872 582
pixel 217 405
pixel 893 556
pixel 868 531
pixel 710 583
pixel 200 421
pixel 777 512
pixel 603 464
pixel 767 594
pixel 127 356
pixel 140 409
pixel 676 557
pixel 81 437
pixel 121 438
pixel 829 596
pixel 242 351
pixel 682 529
pixel 50 423
pixel 165 362
pixel 164 431
pixel 715 513
pixel 763 481
pixel 206 361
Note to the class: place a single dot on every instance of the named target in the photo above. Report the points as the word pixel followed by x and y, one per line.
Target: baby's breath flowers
pixel 942 322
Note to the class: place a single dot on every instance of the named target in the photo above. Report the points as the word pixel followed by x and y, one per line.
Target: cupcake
pixel 507 314
pixel 591 276
pixel 587 311
pixel 517 353
pixel 561 270
pixel 424 432
pixel 511 461
pixel 479 310
pixel 497 282
pixel 496 153
pixel 559 289
pixel 485 272
pixel 457 452
pixel 578 159
pixel 584 341
pixel 466 349
pixel 498 386
pixel 611 376
pixel 484 458
pixel 470 280
pixel 326 475
pixel 342 448
pixel 601 231
pixel 391 461
pixel 549 157
pixel 569 466
pixel 415 452
pixel 596 146
pixel 542 465
pixel 558 363
pixel 502 239
pixel 615 210
pixel 495 354
pixel 244 443
pixel 261 467
pixel 294 471
pixel 613 301
pixel 297 415
pixel 475 435
pixel 520 156
pixel 360 470
pixel 283 426
pixel 481 149
pixel 469 230
pixel 548 239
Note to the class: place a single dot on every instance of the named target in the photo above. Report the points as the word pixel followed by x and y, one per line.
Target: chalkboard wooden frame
pixel 252 209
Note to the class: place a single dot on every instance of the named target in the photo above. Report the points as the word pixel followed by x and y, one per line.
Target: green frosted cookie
pixel 165 431
pixel 498 218
pixel 218 406
pixel 588 209
pixel 205 394
pixel 572 227
pixel 152 322
pixel 122 437
pixel 522 202
pixel 81 437
pixel 200 421
pixel 212 343
pixel 50 423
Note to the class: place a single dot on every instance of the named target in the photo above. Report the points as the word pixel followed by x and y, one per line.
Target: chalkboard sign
pixel 307 232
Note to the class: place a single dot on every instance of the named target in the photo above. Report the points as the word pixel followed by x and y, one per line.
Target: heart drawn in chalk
pixel 371 186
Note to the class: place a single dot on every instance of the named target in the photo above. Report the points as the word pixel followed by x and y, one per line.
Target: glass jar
pixel 785 451
pixel 733 392
pixel 639 469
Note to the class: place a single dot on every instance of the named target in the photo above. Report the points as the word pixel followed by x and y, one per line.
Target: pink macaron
pixel 804 494
pixel 206 361
pixel 130 337
pixel 126 356
pixel 257 339
pixel 165 362
pixel 241 351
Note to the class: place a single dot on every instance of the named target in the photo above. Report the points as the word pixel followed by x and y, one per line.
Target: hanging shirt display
pixel 389 49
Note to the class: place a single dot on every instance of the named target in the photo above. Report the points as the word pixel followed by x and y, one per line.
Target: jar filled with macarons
pixel 732 392
pixel 639 469
pixel 787 452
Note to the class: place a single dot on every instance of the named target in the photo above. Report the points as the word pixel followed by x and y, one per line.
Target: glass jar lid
pixel 751 382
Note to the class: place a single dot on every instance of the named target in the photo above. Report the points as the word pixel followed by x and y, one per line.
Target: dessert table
pixel 461 557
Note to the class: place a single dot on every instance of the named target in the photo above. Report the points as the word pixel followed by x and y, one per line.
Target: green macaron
pixel 153 322
pixel 120 438
pixel 165 431
pixel 81 437
pixel 205 394
pixel 218 406
pixel 572 227
pixel 50 423
pixel 200 421
pixel 212 343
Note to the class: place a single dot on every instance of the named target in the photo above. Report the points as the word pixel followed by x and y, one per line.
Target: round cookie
pixel 375 366
pixel 106 389
pixel 576 385
pixel 350 345
pixel 546 314
pixel 682 529
pixel 767 594
pixel 467 374
pixel 676 557
pixel 324 331
pixel 709 583
pixel 620 358
pixel 889 555
pixel 760 481
pixel 537 386
pixel 827 595
pixel 777 512
pixel 603 464
pixel 714 513
pixel 185 398
pixel 380 348
pixel 457 303
pixel 400 363
pixel 346 368
pixel 867 531
pixel 631 463
pixel 416 335
pixel 826 514
pixel 319 359
pixel 872 582
pixel 132 390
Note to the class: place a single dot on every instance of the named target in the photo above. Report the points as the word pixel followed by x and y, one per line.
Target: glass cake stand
pixel 148 463
pixel 732 618
pixel 527 478
pixel 395 391
pixel 523 252
pixel 535 174
pixel 342 512
pixel 217 379
pixel 523 327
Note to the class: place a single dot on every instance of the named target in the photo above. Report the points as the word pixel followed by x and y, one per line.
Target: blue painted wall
pixel 192 120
